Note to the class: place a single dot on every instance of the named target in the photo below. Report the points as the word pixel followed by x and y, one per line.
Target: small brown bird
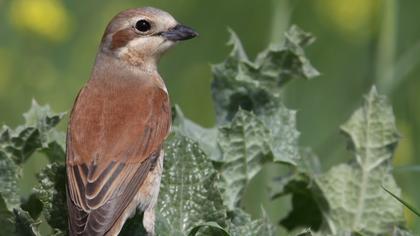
pixel 118 124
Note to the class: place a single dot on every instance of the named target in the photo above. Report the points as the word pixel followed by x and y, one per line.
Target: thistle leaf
pixel 16 222
pixel 36 134
pixel 242 225
pixel 245 144
pixel 281 122
pixel 188 195
pixel 51 191
pixel 9 177
pixel 240 83
pixel 356 201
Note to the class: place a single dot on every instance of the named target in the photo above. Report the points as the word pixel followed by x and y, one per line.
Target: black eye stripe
pixel 143 25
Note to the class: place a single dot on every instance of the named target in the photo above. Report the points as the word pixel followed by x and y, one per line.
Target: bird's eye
pixel 143 26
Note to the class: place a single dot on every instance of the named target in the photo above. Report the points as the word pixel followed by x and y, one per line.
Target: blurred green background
pixel 47 48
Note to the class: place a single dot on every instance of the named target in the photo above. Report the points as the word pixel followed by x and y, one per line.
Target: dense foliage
pixel 206 171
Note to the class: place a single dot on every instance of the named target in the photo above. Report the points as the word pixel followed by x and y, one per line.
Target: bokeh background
pixel 47 48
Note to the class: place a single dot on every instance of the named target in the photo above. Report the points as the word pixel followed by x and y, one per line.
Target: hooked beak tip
pixel 180 33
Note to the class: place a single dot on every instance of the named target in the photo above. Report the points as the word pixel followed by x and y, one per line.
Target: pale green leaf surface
pixel 188 194
pixel 6 218
pixel 51 191
pixel 243 225
pixel 9 176
pixel 20 143
pixel 36 134
pixel 221 231
pixel 240 83
pixel 300 184
pixel 353 191
pixel 401 232
pixel 280 63
pixel 306 232
pixel 303 174
pixel 281 123
pixel 372 131
pixel 245 144
pixel 44 119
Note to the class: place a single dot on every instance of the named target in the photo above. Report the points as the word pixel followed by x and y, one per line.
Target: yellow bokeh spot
pixel 48 18
pixel 353 18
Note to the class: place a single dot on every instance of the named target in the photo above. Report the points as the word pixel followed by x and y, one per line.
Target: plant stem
pixel 385 57
pixel 280 19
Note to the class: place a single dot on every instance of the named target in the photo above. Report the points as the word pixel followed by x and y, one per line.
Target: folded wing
pixel 115 134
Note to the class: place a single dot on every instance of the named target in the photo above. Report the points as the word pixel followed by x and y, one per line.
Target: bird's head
pixel 140 36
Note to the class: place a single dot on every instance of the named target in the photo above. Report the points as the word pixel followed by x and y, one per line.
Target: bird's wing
pixel 115 135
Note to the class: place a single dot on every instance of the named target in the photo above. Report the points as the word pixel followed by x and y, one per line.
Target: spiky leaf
pixel 245 144
pixel 16 221
pixel 241 83
pixel 9 176
pixel 36 134
pixel 24 224
pixel 356 200
pixel 284 136
pixel 6 218
pixel 51 191
pixel 242 225
pixel 188 195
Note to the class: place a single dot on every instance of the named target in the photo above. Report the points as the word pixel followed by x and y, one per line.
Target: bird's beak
pixel 179 33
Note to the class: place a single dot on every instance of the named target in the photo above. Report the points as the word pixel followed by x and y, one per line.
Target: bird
pixel 118 125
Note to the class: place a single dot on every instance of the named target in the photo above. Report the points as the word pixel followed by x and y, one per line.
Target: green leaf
pixel 16 221
pixel 36 134
pixel 300 185
pixel 188 195
pixel 245 144
pixel 309 163
pixel 6 218
pixel 51 191
pixel 280 63
pixel 398 231
pixel 240 83
pixel 306 232
pixel 24 224
pixel 214 225
pixel 303 174
pixel 242 225
pixel 354 191
pixel 44 119
pixel 9 176
pixel 372 131
pixel 281 122
pixel 305 209
pixel 32 205
pixel 20 143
